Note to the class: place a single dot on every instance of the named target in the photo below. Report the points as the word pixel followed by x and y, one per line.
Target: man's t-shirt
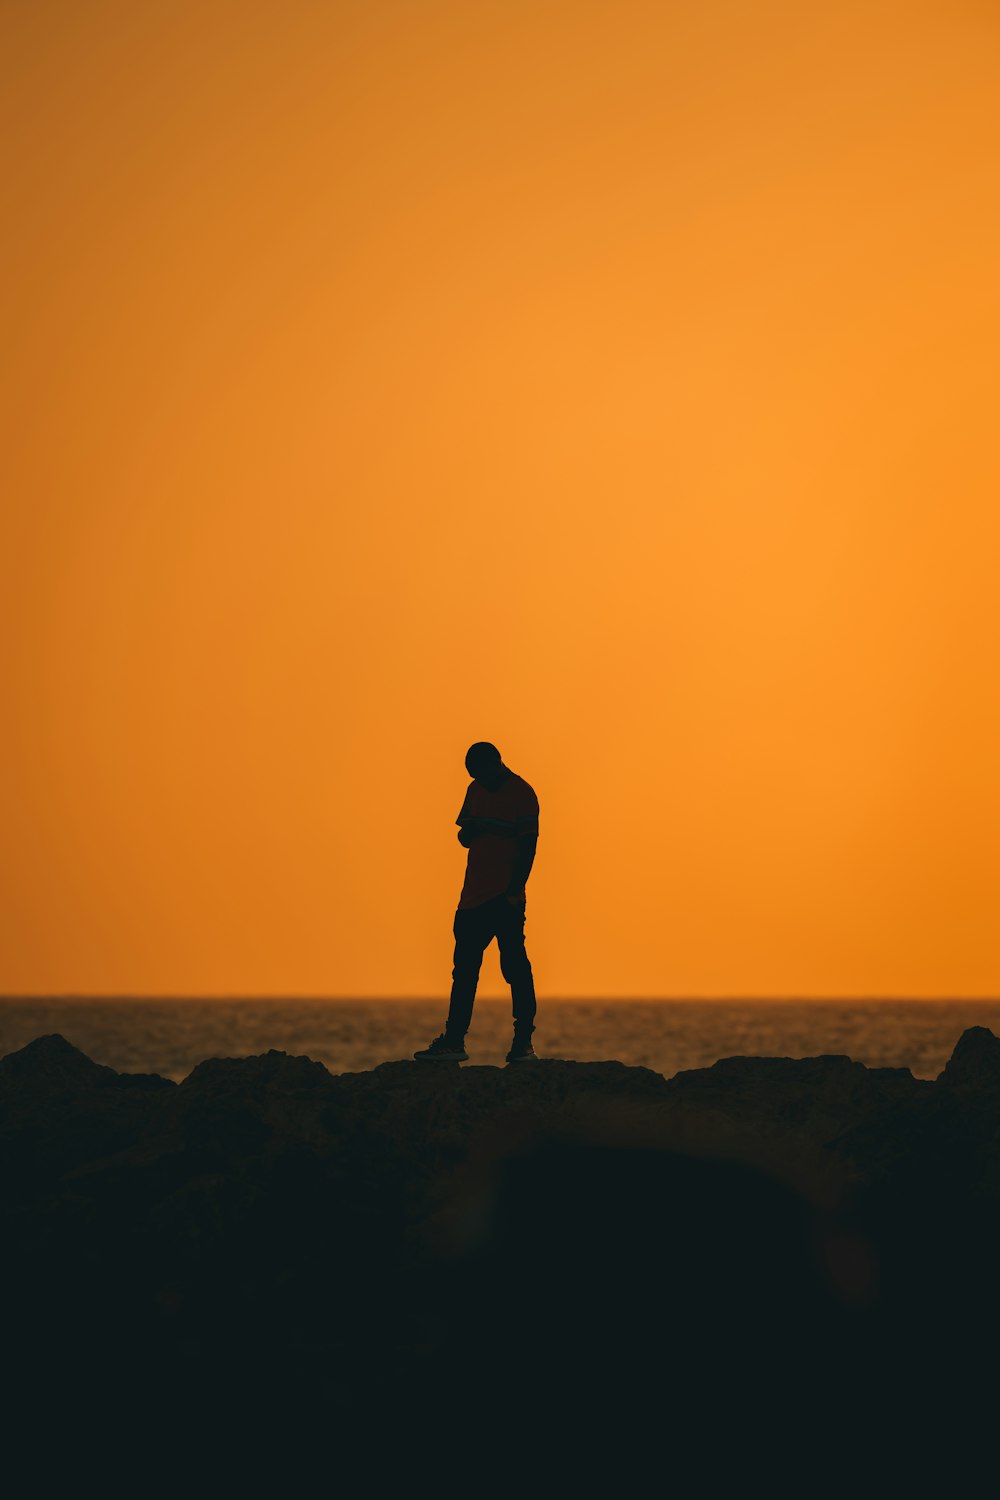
pixel 510 810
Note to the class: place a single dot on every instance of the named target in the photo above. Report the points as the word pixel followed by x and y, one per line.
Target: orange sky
pixel 615 381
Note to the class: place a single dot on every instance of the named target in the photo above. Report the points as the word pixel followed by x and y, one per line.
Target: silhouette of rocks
pixel 58 1110
pixel 975 1062
pixel 270 1248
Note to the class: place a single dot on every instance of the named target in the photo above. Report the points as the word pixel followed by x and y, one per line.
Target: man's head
pixel 483 763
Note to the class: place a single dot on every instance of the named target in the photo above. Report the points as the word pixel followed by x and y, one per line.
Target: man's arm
pixel 524 858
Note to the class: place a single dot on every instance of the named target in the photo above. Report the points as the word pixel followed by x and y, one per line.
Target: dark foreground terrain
pixel 559 1277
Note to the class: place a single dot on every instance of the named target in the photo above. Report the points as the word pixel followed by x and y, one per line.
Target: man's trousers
pixel 475 927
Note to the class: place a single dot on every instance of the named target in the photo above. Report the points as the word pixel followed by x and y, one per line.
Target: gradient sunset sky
pixel 613 381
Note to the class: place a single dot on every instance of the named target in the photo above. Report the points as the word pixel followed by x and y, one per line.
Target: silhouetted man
pixel 498 824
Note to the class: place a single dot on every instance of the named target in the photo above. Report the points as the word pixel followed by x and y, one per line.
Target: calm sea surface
pixel 171 1036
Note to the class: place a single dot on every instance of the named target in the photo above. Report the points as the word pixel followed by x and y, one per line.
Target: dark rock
pixel 59 1110
pixel 416 1249
pixel 804 1102
pixel 275 1072
pixel 975 1062
pixel 53 1062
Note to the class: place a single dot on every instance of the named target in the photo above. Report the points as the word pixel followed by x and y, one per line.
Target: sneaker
pixel 522 1051
pixel 443 1050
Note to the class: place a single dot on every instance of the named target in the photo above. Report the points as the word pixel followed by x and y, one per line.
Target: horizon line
pixel 319 997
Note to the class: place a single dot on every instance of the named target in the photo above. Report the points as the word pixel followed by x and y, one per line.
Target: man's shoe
pixel 443 1050
pixel 522 1051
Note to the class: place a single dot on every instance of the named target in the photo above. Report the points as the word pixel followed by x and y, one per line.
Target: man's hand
pixel 516 898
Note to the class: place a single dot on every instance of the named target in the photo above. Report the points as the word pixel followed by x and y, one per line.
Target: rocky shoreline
pixel 628 1260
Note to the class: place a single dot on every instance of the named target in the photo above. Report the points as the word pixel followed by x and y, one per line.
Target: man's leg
pixel 516 969
pixel 473 934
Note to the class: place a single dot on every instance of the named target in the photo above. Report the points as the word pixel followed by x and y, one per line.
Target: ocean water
pixel 171 1036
